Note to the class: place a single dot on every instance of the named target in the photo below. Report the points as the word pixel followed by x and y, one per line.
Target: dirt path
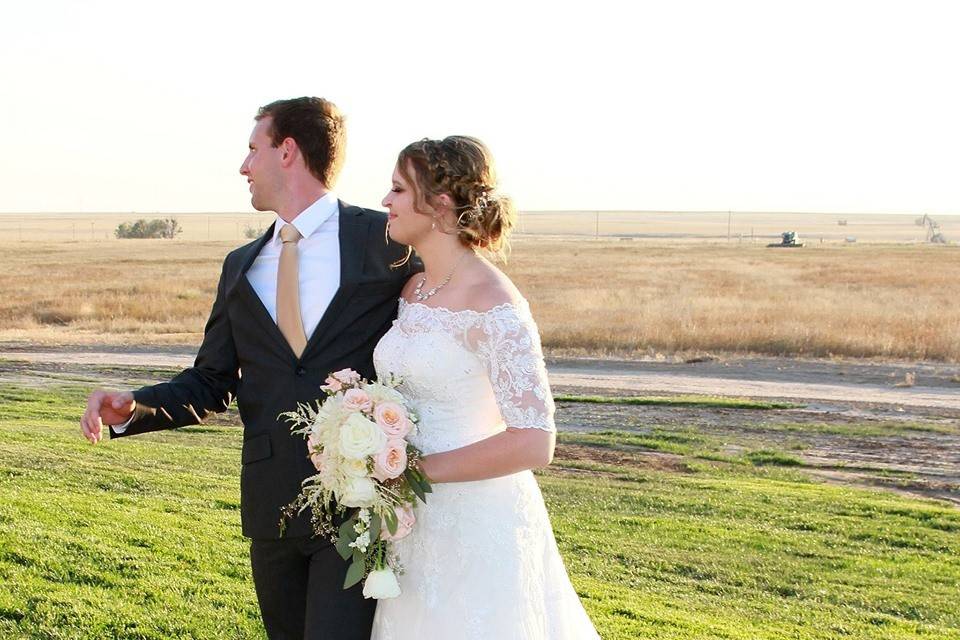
pixel 933 386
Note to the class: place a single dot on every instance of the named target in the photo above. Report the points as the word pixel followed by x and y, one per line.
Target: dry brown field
pixel 623 296
pixel 832 300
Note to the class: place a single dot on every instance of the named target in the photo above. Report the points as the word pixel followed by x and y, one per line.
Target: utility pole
pixel 729 215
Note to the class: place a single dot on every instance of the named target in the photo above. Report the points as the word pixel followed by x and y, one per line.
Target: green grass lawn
pixel 140 538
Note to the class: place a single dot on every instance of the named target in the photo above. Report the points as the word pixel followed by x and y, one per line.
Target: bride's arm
pixel 507 342
pixel 508 452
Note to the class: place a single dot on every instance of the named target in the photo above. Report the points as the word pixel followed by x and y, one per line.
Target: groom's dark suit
pixel 244 355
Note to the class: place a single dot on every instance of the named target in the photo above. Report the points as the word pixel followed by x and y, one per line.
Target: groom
pixel 313 295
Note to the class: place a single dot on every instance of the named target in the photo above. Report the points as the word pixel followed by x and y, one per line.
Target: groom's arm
pixel 207 387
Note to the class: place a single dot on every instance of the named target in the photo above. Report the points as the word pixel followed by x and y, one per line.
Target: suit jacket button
pixel 301 371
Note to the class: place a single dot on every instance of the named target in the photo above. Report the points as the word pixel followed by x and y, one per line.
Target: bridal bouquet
pixel 357 439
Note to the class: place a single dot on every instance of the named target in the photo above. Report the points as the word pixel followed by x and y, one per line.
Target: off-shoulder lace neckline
pixel 472 312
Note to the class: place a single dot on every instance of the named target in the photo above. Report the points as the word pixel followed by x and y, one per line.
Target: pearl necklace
pixel 420 297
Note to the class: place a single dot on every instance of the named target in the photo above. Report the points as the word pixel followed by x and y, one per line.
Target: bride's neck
pixel 440 256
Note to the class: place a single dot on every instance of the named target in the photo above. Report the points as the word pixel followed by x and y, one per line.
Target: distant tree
pixel 156 228
pixel 253 232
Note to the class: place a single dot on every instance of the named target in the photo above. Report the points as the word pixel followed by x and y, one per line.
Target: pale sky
pixel 838 106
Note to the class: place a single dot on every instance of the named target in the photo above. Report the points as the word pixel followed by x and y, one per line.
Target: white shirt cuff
pixel 120 428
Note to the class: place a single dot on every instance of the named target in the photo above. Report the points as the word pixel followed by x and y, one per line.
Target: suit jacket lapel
pixel 354 228
pixel 242 288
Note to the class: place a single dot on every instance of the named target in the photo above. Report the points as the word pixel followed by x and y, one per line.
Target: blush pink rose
pixel 346 376
pixel 332 385
pixel 392 418
pixel 357 400
pixel 405 522
pixel 391 462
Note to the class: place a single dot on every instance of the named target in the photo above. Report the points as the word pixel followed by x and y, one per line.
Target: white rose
pixel 381 584
pixel 360 437
pixel 382 393
pixel 353 467
pixel 358 492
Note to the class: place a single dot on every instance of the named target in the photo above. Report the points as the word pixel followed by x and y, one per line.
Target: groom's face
pixel 262 167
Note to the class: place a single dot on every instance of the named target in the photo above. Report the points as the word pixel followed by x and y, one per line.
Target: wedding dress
pixel 482 561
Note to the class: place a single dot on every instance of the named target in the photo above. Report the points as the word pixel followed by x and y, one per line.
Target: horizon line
pixel 919 212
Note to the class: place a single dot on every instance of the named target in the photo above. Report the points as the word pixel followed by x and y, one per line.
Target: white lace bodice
pixel 468 374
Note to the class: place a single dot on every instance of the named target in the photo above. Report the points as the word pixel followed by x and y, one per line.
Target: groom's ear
pixel 288 151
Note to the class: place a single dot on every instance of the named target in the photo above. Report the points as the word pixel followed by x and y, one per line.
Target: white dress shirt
pixel 318 265
pixel 318 262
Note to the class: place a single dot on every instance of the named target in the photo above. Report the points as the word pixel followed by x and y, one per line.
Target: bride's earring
pixel 433 225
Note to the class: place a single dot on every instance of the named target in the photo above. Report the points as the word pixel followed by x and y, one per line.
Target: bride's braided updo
pixel 462 168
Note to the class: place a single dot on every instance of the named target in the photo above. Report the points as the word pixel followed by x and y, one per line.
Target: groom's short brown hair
pixel 317 126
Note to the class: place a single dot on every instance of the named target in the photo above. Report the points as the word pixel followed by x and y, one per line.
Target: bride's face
pixel 405 224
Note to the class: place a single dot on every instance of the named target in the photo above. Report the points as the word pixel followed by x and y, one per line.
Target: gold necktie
pixel 288 291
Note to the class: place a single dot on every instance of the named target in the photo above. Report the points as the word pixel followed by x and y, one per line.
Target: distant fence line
pixel 721 226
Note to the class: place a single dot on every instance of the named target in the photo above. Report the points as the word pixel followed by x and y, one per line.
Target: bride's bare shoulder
pixel 486 287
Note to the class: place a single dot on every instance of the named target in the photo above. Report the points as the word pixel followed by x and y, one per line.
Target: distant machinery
pixel 788 239
pixel 934 235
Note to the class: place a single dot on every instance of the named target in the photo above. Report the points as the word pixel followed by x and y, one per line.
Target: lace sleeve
pixel 507 342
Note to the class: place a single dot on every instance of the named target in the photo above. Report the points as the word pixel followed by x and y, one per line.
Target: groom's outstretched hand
pixel 105 407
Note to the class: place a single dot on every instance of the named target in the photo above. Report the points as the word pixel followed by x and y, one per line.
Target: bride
pixel 482 561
